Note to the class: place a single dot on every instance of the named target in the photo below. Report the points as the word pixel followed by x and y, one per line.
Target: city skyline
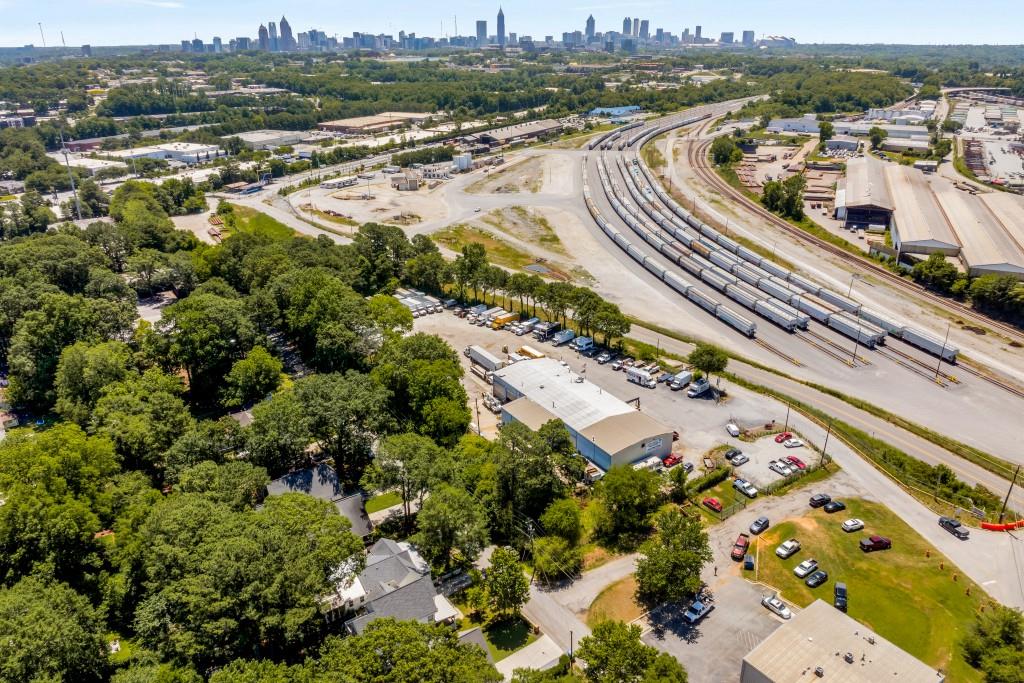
pixel 137 22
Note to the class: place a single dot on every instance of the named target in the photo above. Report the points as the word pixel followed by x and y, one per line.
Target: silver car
pixel 806 568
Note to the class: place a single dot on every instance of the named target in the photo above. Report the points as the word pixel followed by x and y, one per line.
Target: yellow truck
pixel 503 320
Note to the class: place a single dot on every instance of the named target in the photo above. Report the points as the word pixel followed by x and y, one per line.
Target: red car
pixel 712 504
pixel 796 462
pixel 873 543
pixel 739 549
pixel 671 461
pixel 782 437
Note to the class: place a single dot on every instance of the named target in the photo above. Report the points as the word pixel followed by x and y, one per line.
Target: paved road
pixel 555 620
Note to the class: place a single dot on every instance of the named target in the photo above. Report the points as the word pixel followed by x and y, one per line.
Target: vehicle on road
pixel 780 467
pixel 617 364
pixel 775 605
pixel 835 506
pixel 805 568
pixel 793 443
pixel 698 388
pixel 820 499
pixel 759 525
pixel 665 378
pixel 817 578
pixel 672 460
pixel 733 429
pixel 954 527
pixel 712 504
pixel 697 611
pixel 873 543
pixel 604 357
pixel 641 377
pixel 739 548
pixel 688 467
pixel 563 337
pixel 745 487
pixel 782 437
pixel 788 548
pixel 796 462
pixel 852 525
pixel 840 596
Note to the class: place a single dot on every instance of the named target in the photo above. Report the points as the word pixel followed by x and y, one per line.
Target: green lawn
pixel 902 594
pixel 507 636
pixel 253 221
pixel 382 502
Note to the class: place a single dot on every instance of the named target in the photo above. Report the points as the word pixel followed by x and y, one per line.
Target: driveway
pixel 541 654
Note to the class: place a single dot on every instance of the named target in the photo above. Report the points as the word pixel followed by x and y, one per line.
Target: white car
pixel 775 605
pixel 745 487
pixel 851 525
pixel 793 443
pixel 733 429
pixel 805 568
pixel 788 548
pixel 779 467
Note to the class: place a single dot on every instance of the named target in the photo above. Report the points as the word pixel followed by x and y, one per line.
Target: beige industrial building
pixel 377 123
pixel 864 197
pixel 822 643
pixel 519 132
pixel 919 226
pixel 606 430
pixel 987 247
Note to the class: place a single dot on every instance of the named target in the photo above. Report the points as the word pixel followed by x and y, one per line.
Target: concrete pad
pixel 541 654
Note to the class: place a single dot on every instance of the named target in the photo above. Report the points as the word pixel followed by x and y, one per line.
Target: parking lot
pixel 762 452
pixel 700 422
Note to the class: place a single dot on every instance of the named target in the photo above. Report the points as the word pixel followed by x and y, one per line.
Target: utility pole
pixel 786 428
pixel 824 448
pixel 71 176
pixel 856 344
pixel 1006 500
pixel 529 532
pixel 942 353
pixel 476 402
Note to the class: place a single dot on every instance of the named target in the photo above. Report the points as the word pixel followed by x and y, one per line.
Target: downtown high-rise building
pixel 263 39
pixel 748 38
pixel 481 32
pixel 645 29
pixel 627 27
pixel 590 28
pixel 272 30
pixel 636 27
pixel 501 28
pixel 287 40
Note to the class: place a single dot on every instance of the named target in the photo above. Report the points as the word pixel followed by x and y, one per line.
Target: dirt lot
pixel 548 173
pixel 386 205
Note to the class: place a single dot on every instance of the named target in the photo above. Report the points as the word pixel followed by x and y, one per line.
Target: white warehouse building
pixel 606 430
pixel 182 152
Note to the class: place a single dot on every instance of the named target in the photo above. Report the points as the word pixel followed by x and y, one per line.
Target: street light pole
pixel 1008 492
pixel 942 353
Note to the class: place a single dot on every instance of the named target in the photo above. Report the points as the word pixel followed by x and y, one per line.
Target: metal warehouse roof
pixel 820 636
pixel 987 246
pixel 1009 209
pixel 865 184
pixel 617 432
pixel 919 218
pixel 552 386
pixel 531 414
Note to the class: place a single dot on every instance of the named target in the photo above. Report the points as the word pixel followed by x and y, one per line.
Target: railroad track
pixel 809 339
pixel 931 367
pixel 981 374
pixel 697 158
pixel 781 354
pixel 839 348
pixel 940 379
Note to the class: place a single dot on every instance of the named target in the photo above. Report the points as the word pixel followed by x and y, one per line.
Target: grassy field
pixel 252 221
pixel 382 502
pixel 505 637
pixel 499 251
pixel 902 594
pixel 615 602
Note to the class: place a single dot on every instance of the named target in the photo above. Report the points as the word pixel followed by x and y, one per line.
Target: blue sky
pixel 102 22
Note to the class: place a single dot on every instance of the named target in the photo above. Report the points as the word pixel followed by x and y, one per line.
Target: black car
pixel 820 499
pixel 954 527
pixel 759 525
pixel 835 506
pixel 817 578
pixel 732 453
pixel 840 596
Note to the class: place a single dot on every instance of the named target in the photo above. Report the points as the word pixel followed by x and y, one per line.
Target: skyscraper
pixel 287 39
pixel 726 38
pixel 272 30
pixel 218 45
pixel 636 27
pixel 264 38
pixel 481 32
pixel 696 35
pixel 748 38
pixel 501 28
pixel 627 27
pixel 645 29
pixel 590 28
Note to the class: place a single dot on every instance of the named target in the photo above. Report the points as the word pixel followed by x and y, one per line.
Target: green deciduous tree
pixel 450 520
pixel 279 434
pixel 563 519
pixel 615 654
pixel 627 497
pixel 555 559
pixel 670 563
pixel 50 633
pixel 724 150
pixel 252 378
pixel 390 315
pixel 507 586
pixel 826 131
pixel 708 358
pixel 877 135
pixel 936 273
pixel 236 484
pixel 84 370
pixel 404 463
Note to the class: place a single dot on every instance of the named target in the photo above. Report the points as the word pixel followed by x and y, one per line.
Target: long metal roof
pixel 919 218
pixel 987 246
pixel 865 184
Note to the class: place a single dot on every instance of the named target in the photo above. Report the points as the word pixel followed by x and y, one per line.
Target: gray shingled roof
pixel 322 482
pixel 396 586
